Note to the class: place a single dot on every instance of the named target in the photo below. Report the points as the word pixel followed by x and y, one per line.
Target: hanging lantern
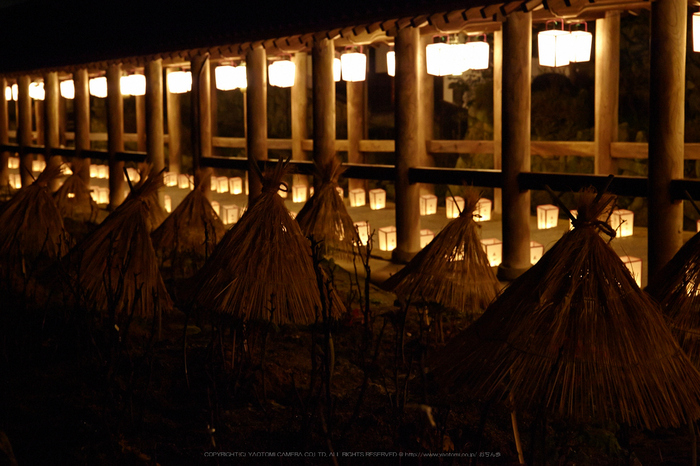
pixel 36 91
pixel 8 93
pixel 391 63
pixel 439 57
pixel 281 73
pixel 354 65
pixel 67 89
pixel 98 87
pixel 134 84
pixel 337 66
pixel 179 82
pixel 460 58
pixel 581 43
pixel 15 91
pixel 554 46
pixel 696 32
pixel 478 53
pixel 229 77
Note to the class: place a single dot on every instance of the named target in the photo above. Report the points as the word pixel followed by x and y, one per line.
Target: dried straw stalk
pixel 74 200
pixel 575 337
pixel 453 270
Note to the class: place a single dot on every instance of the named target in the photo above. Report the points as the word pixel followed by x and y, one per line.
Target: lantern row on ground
pixel 426 236
pixel 634 265
pixel 100 171
pixel 363 230
pixel 493 248
pixel 377 199
pixel 428 204
pixel 454 205
pixel 482 212
pixel 622 221
pixel 547 216
pixel 387 238
pixel 222 184
pixel 536 252
pixel 235 185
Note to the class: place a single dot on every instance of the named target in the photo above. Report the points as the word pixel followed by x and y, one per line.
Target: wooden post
pixel 115 134
pixel 497 112
pixel 428 109
pixel 4 137
pixel 323 103
pixel 201 109
pixel 140 104
pixel 666 128
pixel 39 121
pixel 51 121
pixel 81 112
pixel 356 128
pixel 517 62
pixel 174 132
pixel 213 104
pixel 299 107
pixel 154 114
pixel 607 84
pixel 62 114
pixel 24 129
pixel 256 117
pixel 410 145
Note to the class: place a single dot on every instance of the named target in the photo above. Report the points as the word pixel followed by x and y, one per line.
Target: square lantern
pixel 134 175
pixel 357 197
pixel 581 44
pixel 235 185
pixel 167 203
pixel 354 66
pixel 634 265
pixel 340 191
pixel 299 193
pixel 482 212
pixel 229 214
pixel 13 162
pixel 554 47
pixel 439 59
pixel 15 180
pixel 281 73
pixel 214 183
pixel 98 87
pixel 363 231
pixel 426 236
pixel 38 165
pixel 377 199
pixel 217 207
pixel 170 179
pixel 102 172
pixel 93 171
pixel 183 182
pixel 179 82
pixel 454 206
pixel 391 63
pixel 574 212
pixel 478 53
pixel 428 204
pixel 387 238
pixel 103 196
pixel 229 77
pixel 536 252
pixel 222 184
pixel 337 68
pixel 493 248
pixel 67 88
pixel 622 221
pixel 95 193
pixel 547 216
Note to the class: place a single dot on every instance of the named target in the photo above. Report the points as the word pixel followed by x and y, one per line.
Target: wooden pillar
pixel 140 104
pixel 81 113
pixel 356 128
pixel 256 117
pixel 410 145
pixel 517 62
pixel 607 84
pixel 666 128
pixel 24 129
pixel 323 103
pixel 428 109
pixel 497 112
pixel 201 109
pixel 51 121
pixel 39 121
pixel 62 114
pixel 299 106
pixel 174 132
pixel 213 105
pixel 154 114
pixel 4 137
pixel 115 134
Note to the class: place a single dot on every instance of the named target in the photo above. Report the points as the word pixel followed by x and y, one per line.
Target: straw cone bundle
pixel 264 262
pixel 117 262
pixel 677 288
pixel 156 213
pixel 74 200
pixel 188 236
pixel 575 337
pixel 453 270
pixel 325 218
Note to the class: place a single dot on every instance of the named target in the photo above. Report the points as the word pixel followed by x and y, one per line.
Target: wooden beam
pixel 323 103
pixel 24 129
pixel 115 132
pixel 81 113
pixel 256 117
pixel 460 147
pixel 174 131
pixel 154 114
pixel 607 84
pixel 371 145
pixel 558 148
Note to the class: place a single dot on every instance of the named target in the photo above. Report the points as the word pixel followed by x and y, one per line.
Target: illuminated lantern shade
pixel 574 212
pixel 363 232
pixel 8 93
pixel 103 195
pixel 357 197
pixel 494 249
pixel 354 66
pixel 461 59
pixel 133 174
pixel 281 73
pixel 95 193
pixel 341 193
pixel 183 182
pixel 225 78
pixel 482 213
pixel 439 59
pixel 634 265
pixel 428 204
pixel 134 84
pixel 337 66
pixel 426 236
pixel 15 180
pixel 222 184
pixel 102 172
pixel 170 179
pixel 478 55
pixel 536 252
pixel 93 171
pixel 98 87
pixel 387 238
pixel 547 216
pixel 13 162
pixel 230 214
pixel 65 170
pixel 554 47
pixel 67 89
pixel 241 77
pixel 38 165
pixel 235 185
pixel 298 193
pixel 377 199
pixel 217 207
pixel 391 63
pixel 167 203
pixel 36 91
pixel 454 206
pixel 214 186
pixel 622 221
pixel 581 42
pixel 696 32
pixel 14 90
pixel 179 82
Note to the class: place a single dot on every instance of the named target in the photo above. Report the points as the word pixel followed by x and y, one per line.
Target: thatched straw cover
pixel 156 213
pixel 677 288
pixel 325 218
pixel 118 260
pixel 575 336
pixel 188 236
pixel 74 200
pixel 263 261
pixel 453 270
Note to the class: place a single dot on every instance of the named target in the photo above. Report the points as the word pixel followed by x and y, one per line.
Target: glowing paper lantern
pixel 103 195
pixel 363 232
pixel 478 53
pixel 8 93
pixel 230 214
pixel 696 32
pixel 281 73
pixel 299 193
pixel 183 182
pixel 222 184
pixel 179 82
pixel 439 59
pixel 38 165
pixel 170 179
pixel 460 59
pixel 93 171
pixel 426 236
pixel 337 66
pixel 554 47
pixel 377 199
pixel 547 216
pixel 216 206
pixel 428 204
pixel 235 185
pixel 224 77
pixel 36 91
pixel 581 42
pixel 622 221
pixel 482 212
pixel 240 77
pixel 493 248
pixel 16 180
pixel 387 238
pixel 11 92
pixel 354 66
pixel 65 170
pixel 95 193
pixel 134 84
pixel 536 252
pixel 133 174
pixel 357 197
pixel 13 162
pixel 214 185
pixel 454 206
pixel 98 87
pixel 634 265
pixel 67 89
pixel 167 203
pixel 102 172
pixel 391 63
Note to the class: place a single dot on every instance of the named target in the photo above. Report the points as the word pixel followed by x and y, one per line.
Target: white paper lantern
pixel 38 165
pixel 8 93
pixel 93 171
pixel 581 44
pixel 36 91
pixel 103 172
pixel 387 238
pixel 426 236
pixel 696 32
pixel 13 162
pixel 377 199
pixel 460 59
pixel 536 252
pixel 634 265
pixel 439 59
pixel 554 47
pixel 454 205
pixel 224 77
pixel 179 82
pixel 15 91
pixel 357 197
pixel 547 216
pixel 281 73
pixel 493 248
pixel 235 185
pixel 167 203
pixel 428 204
pixel 16 180
pixel 482 211
pixel 622 221
pixel 133 174
pixel 299 193
pixel 183 182
pixel 134 84
pixel 391 63
pixel 222 184
pixel 98 87
pixel 170 179
pixel 354 66
pixel 230 214
pixel 337 66
pixel 240 77
pixel 67 89
pixel 363 232
pixel 103 195
pixel 214 184
pixel 478 53
pixel 217 207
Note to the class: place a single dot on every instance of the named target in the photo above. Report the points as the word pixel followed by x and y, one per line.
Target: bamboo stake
pixel 516 435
